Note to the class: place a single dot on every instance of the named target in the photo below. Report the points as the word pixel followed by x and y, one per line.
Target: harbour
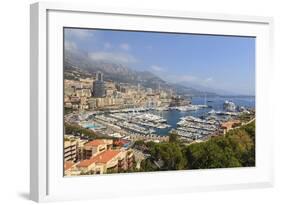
pixel 197 121
pixel 128 109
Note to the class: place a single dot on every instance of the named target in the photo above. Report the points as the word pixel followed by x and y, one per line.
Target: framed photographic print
pixel 129 102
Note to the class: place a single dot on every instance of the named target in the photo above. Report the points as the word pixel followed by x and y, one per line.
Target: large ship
pixel 229 106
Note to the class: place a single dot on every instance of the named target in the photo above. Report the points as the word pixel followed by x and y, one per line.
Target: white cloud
pixel 210 79
pixel 194 79
pixel 113 56
pixel 165 74
pixel 157 68
pixel 187 78
pixel 191 79
pixel 70 46
pixel 125 46
pixel 79 33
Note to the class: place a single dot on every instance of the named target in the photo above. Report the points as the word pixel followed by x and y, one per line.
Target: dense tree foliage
pixel 215 153
pixel 173 138
pixel 148 166
pixel 251 130
pixel 235 149
pixel 168 154
pixel 74 129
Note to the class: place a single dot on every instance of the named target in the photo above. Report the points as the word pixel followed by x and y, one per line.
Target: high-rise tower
pixel 99 90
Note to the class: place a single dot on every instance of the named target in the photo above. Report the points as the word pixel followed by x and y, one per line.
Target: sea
pixel 214 103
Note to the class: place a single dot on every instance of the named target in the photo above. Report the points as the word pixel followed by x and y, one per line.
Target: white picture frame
pixel 46 174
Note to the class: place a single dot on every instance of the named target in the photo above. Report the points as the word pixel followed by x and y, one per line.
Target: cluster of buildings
pixel 121 111
pixel 87 93
pixel 99 156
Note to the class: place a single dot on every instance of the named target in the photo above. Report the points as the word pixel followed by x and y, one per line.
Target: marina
pixel 195 128
pixel 191 122
pixel 123 112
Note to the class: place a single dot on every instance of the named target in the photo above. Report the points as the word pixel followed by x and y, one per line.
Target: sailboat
pixel 205 102
pixel 207 106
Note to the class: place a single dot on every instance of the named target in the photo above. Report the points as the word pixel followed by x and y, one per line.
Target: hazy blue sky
pixel 220 63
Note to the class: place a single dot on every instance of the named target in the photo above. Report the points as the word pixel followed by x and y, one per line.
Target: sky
pixel 224 64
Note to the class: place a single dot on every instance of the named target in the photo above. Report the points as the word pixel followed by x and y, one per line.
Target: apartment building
pixel 73 148
pixel 95 147
pixel 70 149
pixel 107 161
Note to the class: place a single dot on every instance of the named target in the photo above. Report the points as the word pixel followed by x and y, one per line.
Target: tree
pixel 170 153
pixel 235 149
pixel 148 166
pixel 173 138
pixel 77 130
pixel 215 153
pixel 243 144
pixel 251 130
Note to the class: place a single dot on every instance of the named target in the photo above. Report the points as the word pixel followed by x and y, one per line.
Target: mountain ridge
pixel 85 67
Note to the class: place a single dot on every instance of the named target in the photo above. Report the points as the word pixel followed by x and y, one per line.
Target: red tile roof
pixel 103 157
pixel 95 143
pixel 85 163
pixel 68 165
